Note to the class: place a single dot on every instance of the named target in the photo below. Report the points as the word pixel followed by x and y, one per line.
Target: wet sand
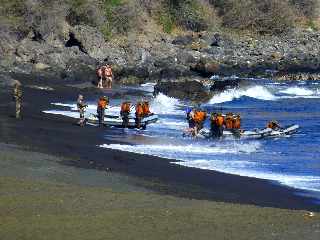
pixel 165 201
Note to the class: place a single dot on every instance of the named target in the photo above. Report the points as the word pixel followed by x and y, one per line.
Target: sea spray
pixel 297 91
pixel 257 92
pixel 165 105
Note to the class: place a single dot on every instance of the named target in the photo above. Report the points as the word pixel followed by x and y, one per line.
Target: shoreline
pixel 59 136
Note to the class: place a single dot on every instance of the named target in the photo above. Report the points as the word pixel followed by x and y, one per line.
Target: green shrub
pixel 308 8
pixel 166 22
pixel 86 12
pixel 262 16
pixel 188 14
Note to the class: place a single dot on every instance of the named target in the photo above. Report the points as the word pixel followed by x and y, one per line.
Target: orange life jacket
pixel 102 103
pixel 125 107
pixel 139 109
pixel 272 125
pixel 229 122
pixel 146 108
pixel 220 121
pixel 236 123
pixel 199 116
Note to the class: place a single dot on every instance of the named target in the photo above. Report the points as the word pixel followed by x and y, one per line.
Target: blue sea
pixel 293 160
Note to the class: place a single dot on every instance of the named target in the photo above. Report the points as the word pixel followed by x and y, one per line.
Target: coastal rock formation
pixel 183 89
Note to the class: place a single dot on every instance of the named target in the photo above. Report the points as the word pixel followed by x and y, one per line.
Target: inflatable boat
pixel 256 133
pixel 116 120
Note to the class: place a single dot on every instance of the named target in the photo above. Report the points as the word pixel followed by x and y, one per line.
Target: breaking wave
pixel 298 91
pixel 165 105
pixel 257 92
pixel 186 152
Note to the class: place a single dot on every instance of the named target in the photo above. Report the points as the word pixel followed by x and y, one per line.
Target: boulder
pixel 224 84
pixel 184 89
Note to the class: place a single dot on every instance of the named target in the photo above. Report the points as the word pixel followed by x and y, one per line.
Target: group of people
pixel 105 76
pixel 142 109
pixel 218 122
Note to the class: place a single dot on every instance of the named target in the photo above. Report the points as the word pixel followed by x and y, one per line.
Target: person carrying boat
pixel 102 105
pixel 139 114
pixel 217 125
pixel 274 125
pixel 199 117
pixel 124 113
pixel 146 108
pixel 81 108
pixel 229 121
pixel 236 125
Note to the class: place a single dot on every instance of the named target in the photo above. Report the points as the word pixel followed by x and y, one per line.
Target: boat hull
pixel 254 134
pixel 116 121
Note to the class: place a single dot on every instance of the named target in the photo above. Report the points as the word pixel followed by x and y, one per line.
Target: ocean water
pixel 293 160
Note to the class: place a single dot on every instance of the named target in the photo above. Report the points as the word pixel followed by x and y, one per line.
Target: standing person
pixel 100 75
pixel 139 114
pixel 220 121
pixel 236 125
pixel 17 95
pixel 124 113
pixel 146 108
pixel 108 76
pixel 214 127
pixel 81 108
pixel 102 105
pixel 199 118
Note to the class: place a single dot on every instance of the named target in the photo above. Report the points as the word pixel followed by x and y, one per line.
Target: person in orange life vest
pixel 217 123
pixel 139 114
pixel 229 121
pixel 108 76
pixel 236 125
pixel 102 105
pixel 124 113
pixel 199 117
pixel 274 125
pixel 146 109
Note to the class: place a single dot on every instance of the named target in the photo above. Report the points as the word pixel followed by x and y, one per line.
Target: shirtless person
pixel 108 75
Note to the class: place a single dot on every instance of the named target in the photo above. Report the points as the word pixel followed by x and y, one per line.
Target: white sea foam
pixel 165 105
pixel 148 87
pixel 258 92
pixel 245 168
pixel 183 152
pixel 187 153
pixel 298 91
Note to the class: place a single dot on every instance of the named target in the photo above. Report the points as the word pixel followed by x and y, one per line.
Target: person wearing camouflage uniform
pixel 81 108
pixel 17 96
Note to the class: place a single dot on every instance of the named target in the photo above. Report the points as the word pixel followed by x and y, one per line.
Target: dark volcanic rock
pixel 221 85
pixel 183 40
pixel 188 90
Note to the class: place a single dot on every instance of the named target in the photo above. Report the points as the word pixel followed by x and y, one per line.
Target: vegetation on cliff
pixel 114 17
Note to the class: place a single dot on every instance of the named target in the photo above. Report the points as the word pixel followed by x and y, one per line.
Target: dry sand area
pixel 42 199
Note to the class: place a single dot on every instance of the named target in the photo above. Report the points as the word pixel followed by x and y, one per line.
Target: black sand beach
pixel 187 202
pixel 59 136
